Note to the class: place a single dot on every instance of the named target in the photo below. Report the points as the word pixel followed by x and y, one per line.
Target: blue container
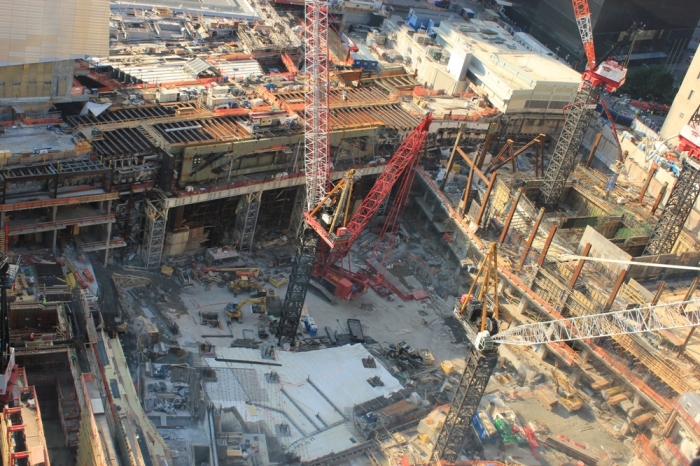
pixel 313 329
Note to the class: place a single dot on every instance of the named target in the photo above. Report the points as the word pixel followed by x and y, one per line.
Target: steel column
pixel 485 200
pixel 509 218
pixel 616 289
pixel 680 204
pixel 647 181
pixel 579 266
pixel 547 243
pixel 451 160
pixel 530 239
pixel 593 150
pixel 659 198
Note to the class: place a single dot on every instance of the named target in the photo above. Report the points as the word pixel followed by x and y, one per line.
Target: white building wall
pixel 686 102
pixel 35 31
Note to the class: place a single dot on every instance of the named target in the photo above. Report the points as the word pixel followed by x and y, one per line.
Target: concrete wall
pixel 36 82
pixel 603 248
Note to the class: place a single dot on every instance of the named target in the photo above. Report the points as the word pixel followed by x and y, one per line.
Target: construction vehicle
pixel 260 304
pixel 483 354
pixel 570 400
pixel 608 76
pixel 244 284
pixel 278 280
pixel 684 194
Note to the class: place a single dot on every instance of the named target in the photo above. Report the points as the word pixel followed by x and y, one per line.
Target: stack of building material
pixel 429 427
pixel 572 450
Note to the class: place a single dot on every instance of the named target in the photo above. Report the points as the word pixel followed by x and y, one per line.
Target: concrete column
pixel 179 213
pixel 109 233
pixel 522 307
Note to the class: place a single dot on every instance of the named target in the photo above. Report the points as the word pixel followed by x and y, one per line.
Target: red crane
pixel 337 242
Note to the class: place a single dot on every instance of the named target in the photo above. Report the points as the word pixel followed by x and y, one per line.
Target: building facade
pixel 39 41
pixel 686 102
pixel 668 26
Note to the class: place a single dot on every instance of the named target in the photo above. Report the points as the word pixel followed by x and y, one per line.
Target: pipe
pixel 615 289
pixel 547 243
pixel 593 149
pixel 647 182
pixel 509 219
pixel 530 239
pixel 661 195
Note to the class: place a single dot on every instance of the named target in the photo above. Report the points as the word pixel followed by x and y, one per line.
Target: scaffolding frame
pixel 154 231
pixel 247 220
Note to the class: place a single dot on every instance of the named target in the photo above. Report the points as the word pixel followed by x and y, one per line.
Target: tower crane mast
pixel 483 354
pixel 609 75
pixel 316 164
pixel 684 194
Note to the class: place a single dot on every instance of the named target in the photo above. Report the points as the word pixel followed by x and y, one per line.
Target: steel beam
pixel 485 200
pixel 593 150
pixel 616 289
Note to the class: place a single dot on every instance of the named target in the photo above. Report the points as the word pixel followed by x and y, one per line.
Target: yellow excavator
pixel 569 399
pixel 244 284
pixel 235 310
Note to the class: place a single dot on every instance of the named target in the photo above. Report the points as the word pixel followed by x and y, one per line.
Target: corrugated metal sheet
pixel 197 66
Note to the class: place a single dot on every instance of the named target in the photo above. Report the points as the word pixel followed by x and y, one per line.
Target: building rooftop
pixel 312 392
pixel 224 8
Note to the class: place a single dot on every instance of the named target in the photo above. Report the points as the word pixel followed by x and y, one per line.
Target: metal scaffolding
pixel 154 232
pixel 674 215
pixel 298 285
pixel 246 220
pixel 564 157
pixel 471 387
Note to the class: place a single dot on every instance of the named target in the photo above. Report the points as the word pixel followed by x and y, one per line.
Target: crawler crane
pixel 483 355
pixel 326 213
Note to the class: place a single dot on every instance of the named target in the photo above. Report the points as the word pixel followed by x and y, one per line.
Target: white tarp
pixel 94 108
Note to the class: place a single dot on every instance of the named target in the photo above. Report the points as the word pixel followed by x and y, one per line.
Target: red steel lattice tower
pixel 316 157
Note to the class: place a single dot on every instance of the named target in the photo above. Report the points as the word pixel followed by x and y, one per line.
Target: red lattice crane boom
pixel 582 13
pixel 339 242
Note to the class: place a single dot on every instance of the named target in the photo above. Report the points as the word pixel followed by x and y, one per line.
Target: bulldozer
pixel 570 400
